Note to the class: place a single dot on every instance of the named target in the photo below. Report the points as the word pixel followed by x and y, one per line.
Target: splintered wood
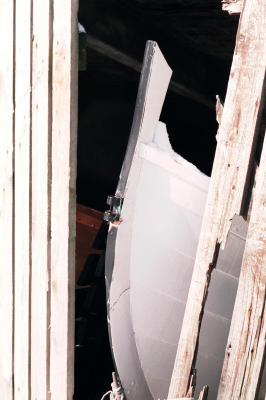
pixel 229 179
pixel 232 6
pixel 246 342
pixel 37 178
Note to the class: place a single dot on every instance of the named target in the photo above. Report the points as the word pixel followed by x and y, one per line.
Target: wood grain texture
pixel 246 341
pixel 41 170
pixel 88 222
pixel 203 393
pixel 237 134
pixel 232 6
pixel 64 126
pixel 22 198
pixel 120 57
pixel 6 199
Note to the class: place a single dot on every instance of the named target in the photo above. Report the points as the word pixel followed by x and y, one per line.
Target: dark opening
pixel 197 39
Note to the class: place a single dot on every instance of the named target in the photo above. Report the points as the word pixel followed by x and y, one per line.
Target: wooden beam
pixel 229 179
pixel 6 198
pixel 22 210
pixel 232 6
pixel 30 366
pixel 246 342
pixel 109 51
pixel 40 198
pixel 63 198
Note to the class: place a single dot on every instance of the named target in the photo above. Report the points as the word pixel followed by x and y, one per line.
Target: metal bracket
pixel 114 214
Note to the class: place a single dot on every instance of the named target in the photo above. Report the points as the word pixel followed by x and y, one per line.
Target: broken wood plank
pixel 236 138
pixel 63 198
pixel 246 342
pixel 22 198
pixel 6 199
pixel 232 6
pixel 41 175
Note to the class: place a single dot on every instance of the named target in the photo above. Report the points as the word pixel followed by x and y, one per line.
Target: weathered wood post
pixel 246 342
pixel 230 175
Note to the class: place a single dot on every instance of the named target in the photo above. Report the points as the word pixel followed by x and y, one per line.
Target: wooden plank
pixel 88 222
pixel 232 6
pixel 246 342
pixel 6 199
pixel 22 197
pixel 89 217
pixel 204 393
pixel 41 170
pixel 64 126
pixel 229 176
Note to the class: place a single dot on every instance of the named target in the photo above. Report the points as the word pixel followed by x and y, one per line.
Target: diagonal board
pixel 229 178
pixel 246 341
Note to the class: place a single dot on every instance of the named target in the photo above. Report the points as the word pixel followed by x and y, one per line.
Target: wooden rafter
pixel 232 6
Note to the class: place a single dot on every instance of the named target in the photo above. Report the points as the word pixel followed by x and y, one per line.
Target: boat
pixel 155 219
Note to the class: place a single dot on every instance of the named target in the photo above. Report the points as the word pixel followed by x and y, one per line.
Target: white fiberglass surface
pixel 170 201
pixel 155 251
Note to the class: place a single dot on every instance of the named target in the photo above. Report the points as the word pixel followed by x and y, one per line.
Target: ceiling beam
pixel 109 51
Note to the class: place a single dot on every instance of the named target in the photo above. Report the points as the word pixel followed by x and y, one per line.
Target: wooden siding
pixel 38 77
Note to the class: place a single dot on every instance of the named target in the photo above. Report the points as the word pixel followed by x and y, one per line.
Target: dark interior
pixel 197 39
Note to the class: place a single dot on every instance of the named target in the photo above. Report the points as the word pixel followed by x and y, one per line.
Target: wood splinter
pixel 192 384
pixel 204 393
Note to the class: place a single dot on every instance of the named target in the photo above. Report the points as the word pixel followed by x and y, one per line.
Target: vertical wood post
pixel 246 341
pixel 236 138
pixel 22 221
pixel 38 120
pixel 64 110
pixel 6 198
pixel 40 198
